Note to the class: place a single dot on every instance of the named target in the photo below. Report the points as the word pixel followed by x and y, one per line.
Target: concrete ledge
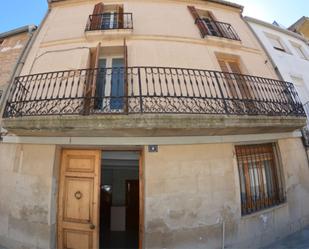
pixel 150 125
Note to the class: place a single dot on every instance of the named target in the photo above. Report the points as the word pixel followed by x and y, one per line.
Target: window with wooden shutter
pixel 260 177
pixel 90 87
pixel 111 88
pixel 237 84
pixel 97 17
pixel 198 21
pixel 120 17
pixel 230 79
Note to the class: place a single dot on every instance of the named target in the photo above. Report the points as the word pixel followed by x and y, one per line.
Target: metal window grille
pixel 260 177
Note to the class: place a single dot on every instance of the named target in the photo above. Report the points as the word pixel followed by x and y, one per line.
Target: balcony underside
pixel 150 125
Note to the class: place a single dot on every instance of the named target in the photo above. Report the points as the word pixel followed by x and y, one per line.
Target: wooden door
pixel 132 205
pixel 78 209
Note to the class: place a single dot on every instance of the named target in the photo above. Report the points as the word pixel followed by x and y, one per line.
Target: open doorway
pixel 119 200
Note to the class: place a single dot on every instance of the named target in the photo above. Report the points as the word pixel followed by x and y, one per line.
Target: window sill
pixel 107 33
pixel 267 210
pixel 221 38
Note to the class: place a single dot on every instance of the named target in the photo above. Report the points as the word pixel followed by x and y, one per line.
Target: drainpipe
pixel 33 32
pixel 223 234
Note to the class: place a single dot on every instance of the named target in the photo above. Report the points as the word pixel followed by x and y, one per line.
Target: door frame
pixel 141 151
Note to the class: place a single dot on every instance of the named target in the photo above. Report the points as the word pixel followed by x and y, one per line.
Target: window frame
pixel 260 177
pixel 300 52
pixel 272 38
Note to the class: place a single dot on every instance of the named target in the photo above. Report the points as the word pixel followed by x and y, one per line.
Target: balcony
pixel 213 101
pixel 218 29
pixel 110 21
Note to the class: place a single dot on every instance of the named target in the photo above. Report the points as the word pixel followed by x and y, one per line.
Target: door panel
pixel 78 199
pixel 78 209
pixel 77 240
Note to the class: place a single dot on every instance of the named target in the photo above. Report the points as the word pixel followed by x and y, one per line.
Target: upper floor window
pixel 208 24
pixel 277 43
pixel 299 50
pixel 260 175
pixel 106 17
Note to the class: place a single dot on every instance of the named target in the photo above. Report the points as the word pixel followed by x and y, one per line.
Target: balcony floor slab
pixel 135 125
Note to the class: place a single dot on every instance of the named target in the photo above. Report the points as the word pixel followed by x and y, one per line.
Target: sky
pixel 17 13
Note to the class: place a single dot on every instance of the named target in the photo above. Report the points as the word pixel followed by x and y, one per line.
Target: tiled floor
pixel 299 240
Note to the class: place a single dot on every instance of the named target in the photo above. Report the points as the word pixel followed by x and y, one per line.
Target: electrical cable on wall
pixel 54 51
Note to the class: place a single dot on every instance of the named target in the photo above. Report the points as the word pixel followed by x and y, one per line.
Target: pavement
pixel 299 240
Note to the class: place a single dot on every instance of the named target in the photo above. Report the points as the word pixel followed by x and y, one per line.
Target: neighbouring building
pixel 301 27
pixel 289 54
pixel 12 45
pixel 150 124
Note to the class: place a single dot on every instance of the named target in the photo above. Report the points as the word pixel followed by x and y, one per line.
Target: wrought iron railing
pixel 150 90
pixel 110 20
pixel 219 29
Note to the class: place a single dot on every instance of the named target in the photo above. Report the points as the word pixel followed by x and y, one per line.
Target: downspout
pixel 33 32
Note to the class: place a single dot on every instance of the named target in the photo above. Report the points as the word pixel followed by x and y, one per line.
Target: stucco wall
pixel 190 189
pixel 164 34
pixel 27 194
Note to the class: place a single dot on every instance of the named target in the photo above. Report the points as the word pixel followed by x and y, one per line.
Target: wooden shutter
pixel 120 17
pixel 91 79
pixel 229 78
pixel 223 66
pixel 234 67
pixel 200 24
pixel 97 17
pixel 125 56
pixel 241 82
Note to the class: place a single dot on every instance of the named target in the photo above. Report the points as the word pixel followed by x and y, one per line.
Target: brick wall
pixel 10 49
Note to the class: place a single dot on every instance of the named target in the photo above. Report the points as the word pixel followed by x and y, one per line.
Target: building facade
pixel 301 27
pixel 150 124
pixel 289 53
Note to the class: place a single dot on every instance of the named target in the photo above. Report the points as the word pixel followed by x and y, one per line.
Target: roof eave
pixel 223 2
pixel 269 25
pixel 27 28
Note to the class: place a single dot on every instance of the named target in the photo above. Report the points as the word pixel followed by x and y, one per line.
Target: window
pixel 299 50
pixel 208 25
pixel 209 22
pixel 111 16
pixel 260 177
pixel 237 85
pixel 277 44
pixel 110 84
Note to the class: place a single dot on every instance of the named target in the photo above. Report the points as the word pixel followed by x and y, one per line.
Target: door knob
pixel 92 226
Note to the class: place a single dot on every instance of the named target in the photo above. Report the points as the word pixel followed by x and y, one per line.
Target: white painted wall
pixel 292 68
